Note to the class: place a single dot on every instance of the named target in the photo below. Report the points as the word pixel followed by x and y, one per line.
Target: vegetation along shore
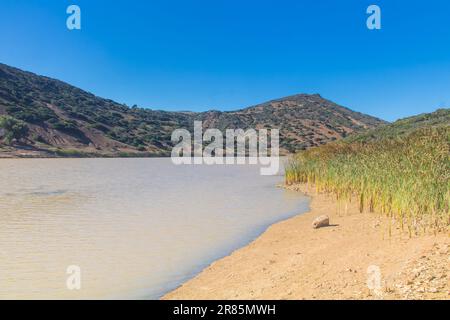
pixel 401 170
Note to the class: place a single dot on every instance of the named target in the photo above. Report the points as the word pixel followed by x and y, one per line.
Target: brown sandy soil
pixel 291 260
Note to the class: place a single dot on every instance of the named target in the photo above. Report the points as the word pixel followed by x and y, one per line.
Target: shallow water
pixel 137 228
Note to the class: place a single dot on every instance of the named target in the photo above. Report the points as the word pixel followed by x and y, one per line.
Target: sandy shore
pixel 291 260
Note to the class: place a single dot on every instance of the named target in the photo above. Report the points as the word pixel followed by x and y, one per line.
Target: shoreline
pixel 291 260
pixel 76 154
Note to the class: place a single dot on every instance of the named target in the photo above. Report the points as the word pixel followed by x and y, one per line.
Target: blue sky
pixel 228 54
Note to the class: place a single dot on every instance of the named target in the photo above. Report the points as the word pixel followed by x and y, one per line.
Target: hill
pixel 403 127
pixel 62 120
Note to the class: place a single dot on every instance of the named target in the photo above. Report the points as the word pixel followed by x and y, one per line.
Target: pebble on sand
pixel 321 221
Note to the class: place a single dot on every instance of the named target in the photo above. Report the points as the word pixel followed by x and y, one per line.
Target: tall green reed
pixel 406 178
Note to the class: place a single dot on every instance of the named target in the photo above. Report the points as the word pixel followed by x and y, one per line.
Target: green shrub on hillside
pixel 13 129
pixel 36 114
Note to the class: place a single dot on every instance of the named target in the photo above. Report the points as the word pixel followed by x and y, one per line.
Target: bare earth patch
pixel 291 260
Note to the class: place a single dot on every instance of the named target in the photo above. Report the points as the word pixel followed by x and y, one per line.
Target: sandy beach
pixel 291 260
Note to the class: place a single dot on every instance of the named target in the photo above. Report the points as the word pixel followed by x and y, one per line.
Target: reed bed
pixel 405 178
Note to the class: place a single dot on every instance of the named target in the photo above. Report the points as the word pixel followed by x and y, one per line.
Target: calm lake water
pixel 137 228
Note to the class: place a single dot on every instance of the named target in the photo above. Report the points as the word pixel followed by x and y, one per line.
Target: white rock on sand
pixel 321 221
pixel 311 265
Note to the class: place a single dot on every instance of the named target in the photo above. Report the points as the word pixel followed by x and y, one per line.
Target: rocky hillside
pixel 57 119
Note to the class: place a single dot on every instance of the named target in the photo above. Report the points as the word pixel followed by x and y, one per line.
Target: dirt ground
pixel 353 258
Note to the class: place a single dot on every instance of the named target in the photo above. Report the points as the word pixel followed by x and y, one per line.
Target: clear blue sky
pixel 227 54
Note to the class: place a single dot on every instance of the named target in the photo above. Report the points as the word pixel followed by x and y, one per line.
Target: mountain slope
pixel 64 120
pixel 405 126
pixel 304 120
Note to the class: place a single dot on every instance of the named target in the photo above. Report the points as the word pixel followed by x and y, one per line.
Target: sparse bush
pixel 13 129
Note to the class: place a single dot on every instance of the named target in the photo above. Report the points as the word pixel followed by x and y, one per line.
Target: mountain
pixel 61 120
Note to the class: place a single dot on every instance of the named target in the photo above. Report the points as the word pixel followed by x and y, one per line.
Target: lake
pixel 136 228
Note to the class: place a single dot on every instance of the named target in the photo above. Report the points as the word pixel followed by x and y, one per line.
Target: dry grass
pixel 406 177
